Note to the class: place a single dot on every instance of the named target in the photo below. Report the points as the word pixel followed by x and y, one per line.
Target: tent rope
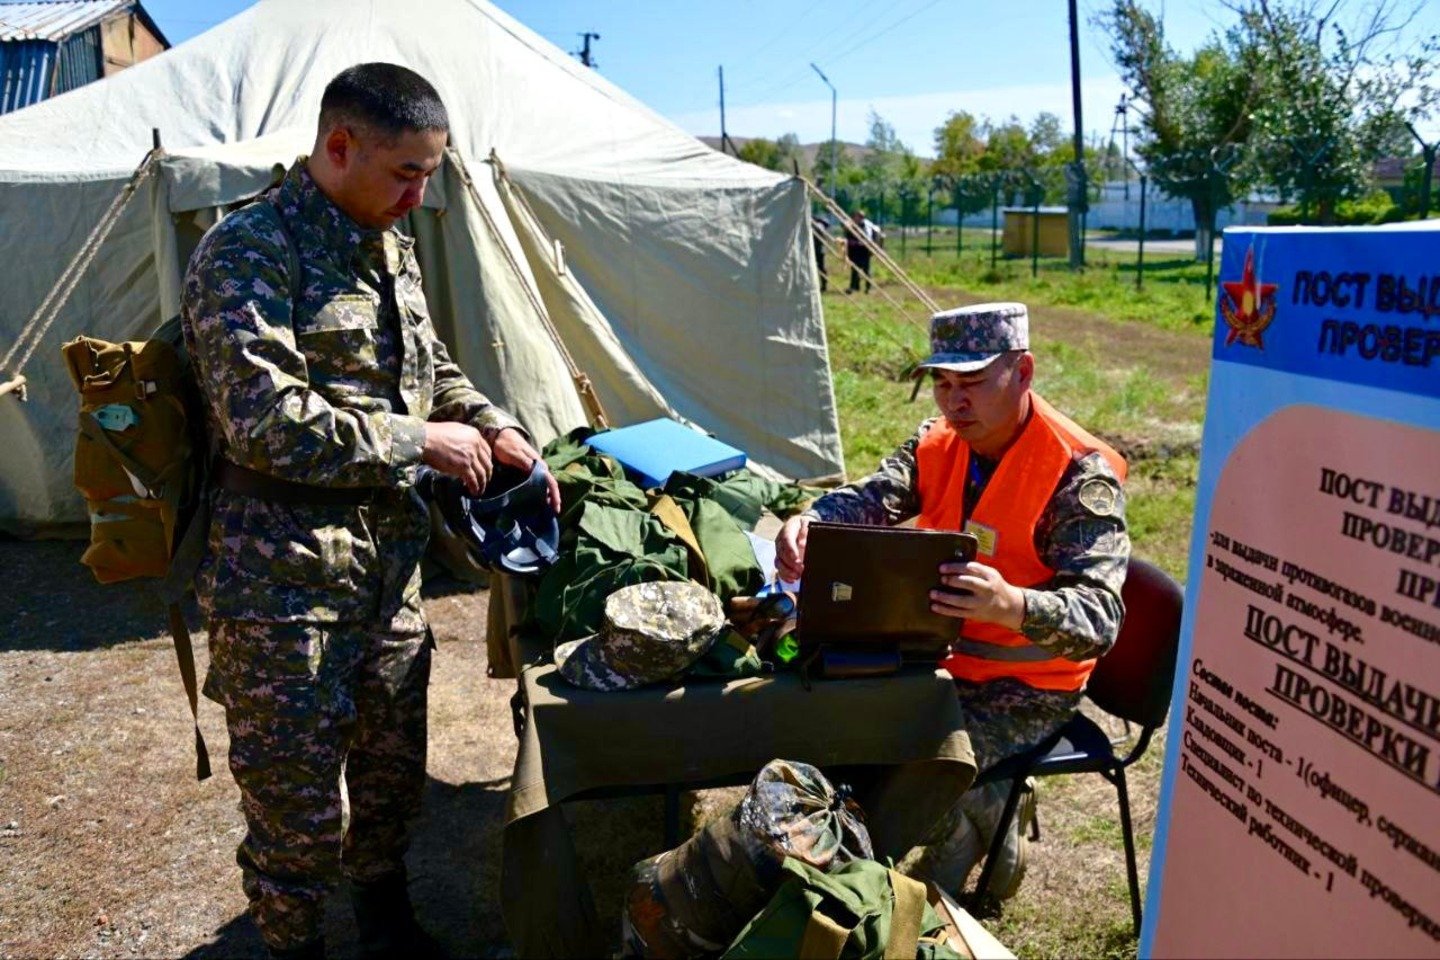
pixel 39 323
pixel 583 385
pixel 873 247
pixel 873 317
pixel 923 322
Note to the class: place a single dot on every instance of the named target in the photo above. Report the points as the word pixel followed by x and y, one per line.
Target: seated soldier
pixel 1042 601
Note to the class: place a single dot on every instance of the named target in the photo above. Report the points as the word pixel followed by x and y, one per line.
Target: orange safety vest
pixel 1009 508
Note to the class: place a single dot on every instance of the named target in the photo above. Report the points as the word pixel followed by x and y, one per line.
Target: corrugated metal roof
pixel 53 20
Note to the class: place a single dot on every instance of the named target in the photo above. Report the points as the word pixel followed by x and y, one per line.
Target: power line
pixel 765 77
pixel 873 37
pixel 793 80
pixel 783 32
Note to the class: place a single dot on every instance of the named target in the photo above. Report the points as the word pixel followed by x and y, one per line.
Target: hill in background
pixel 855 152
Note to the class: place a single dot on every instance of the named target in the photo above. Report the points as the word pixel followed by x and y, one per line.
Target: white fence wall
pixel 1114 211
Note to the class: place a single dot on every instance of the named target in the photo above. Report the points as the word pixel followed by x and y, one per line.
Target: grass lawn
pixel 1172 293
pixel 118 853
pixel 1133 369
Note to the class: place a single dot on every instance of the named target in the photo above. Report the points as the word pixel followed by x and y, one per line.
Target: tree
pixel 843 162
pixel 781 155
pixel 912 181
pixel 1194 112
pixel 1333 95
pixel 958 145
pixel 1008 152
pixel 883 167
pixel 1007 146
pixel 1049 142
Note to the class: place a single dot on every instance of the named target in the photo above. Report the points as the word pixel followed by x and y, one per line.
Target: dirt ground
pixel 109 848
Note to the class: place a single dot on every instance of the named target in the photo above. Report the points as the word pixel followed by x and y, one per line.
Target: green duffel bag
pixel 862 910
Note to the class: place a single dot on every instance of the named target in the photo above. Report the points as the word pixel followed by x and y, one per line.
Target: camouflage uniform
pixel 319 649
pixel 1077 615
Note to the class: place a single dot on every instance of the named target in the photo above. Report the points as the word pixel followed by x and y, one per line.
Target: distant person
pixel 325 386
pixel 1042 601
pixel 856 251
pixel 820 234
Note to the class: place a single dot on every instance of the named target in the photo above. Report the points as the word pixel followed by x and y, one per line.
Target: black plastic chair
pixel 1132 682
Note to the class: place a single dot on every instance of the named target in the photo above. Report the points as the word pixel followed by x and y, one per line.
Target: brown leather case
pixel 868 588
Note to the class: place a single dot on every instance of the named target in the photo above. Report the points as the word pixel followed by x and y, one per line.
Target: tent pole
pixel 875 249
pixel 584 387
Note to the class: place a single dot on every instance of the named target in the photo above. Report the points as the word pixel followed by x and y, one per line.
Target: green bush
pixel 1375 207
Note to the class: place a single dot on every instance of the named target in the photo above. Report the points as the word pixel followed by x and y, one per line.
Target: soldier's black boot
pixel 386 921
pixel 314 950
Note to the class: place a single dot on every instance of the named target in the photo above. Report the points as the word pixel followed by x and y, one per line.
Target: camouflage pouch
pixel 693 900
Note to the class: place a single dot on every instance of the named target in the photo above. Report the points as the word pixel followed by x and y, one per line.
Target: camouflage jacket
pixel 1077 614
pixel 330 387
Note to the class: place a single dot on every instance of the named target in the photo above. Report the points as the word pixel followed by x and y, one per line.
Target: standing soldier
pixel 856 251
pixel 325 386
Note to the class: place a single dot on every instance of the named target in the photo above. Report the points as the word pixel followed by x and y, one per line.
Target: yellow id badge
pixel 988 537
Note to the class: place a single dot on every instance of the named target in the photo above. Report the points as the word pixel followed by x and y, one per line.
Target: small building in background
pixel 49 47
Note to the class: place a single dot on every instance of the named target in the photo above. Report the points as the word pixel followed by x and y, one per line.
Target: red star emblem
pixel 1248 306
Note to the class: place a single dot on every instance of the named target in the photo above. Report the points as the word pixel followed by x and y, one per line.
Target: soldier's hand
pixel 974 591
pixel 512 449
pixel 790 547
pixel 458 450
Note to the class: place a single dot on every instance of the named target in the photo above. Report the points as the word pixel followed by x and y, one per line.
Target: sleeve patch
pixel 1099 496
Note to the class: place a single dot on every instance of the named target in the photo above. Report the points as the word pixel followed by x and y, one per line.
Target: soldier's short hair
pixel 386 98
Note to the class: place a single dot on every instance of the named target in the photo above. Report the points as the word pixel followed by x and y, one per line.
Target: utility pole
pixel 834 160
pixel 584 52
pixel 726 144
pixel 1116 124
pixel 1078 189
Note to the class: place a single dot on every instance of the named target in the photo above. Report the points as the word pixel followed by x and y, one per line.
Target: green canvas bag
pixel 862 910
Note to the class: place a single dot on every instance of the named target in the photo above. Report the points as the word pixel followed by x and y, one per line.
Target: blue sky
pixel 913 61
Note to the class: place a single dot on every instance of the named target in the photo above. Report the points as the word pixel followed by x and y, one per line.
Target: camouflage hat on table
pixel 969 338
pixel 650 632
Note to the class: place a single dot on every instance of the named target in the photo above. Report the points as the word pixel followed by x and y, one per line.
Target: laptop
pixel 868 588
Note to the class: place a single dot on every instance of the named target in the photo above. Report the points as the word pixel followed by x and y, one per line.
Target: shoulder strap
pixel 905 917
pixel 185 654
pixel 823 939
pixel 191 545
pixel 668 512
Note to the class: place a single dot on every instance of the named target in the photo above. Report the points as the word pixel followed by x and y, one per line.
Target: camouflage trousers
pixel 1003 717
pixel 327 744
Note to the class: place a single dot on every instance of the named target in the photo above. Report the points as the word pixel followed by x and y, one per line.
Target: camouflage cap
pixel 650 632
pixel 968 338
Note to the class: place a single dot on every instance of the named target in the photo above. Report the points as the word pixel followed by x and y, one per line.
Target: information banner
pixel 1300 803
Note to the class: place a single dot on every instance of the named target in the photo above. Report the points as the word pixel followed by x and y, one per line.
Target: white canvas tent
pixel 680 280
